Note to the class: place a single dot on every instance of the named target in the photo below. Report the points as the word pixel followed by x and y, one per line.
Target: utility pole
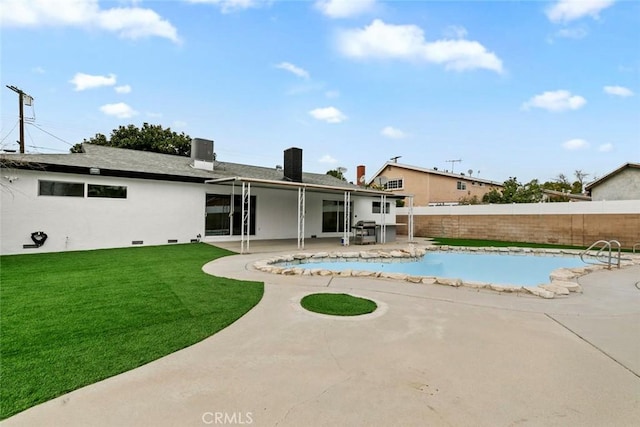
pixel 21 100
pixel 452 162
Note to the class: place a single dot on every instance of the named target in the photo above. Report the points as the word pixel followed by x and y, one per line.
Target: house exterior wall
pixel 429 188
pixel 624 185
pixel 154 212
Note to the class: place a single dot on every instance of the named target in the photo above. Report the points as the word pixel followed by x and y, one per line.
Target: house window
pixel 462 185
pixel 394 184
pixel 375 207
pixel 224 215
pixel 332 216
pixel 107 191
pixel 58 188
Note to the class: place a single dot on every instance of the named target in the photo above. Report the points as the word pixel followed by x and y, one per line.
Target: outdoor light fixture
pixel 94 171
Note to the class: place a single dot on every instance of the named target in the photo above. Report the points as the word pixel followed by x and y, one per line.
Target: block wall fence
pixel 563 228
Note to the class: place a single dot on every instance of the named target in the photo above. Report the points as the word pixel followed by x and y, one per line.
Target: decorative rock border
pixel 562 281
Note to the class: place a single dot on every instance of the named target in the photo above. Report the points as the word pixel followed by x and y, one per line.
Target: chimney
pixel 293 164
pixel 202 154
pixel 360 176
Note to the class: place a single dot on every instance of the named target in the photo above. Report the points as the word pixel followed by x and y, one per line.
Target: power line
pixel 50 134
pixel 9 133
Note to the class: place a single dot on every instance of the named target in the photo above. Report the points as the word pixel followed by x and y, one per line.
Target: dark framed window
pixel 60 188
pixel 375 207
pixel 462 185
pixel 224 215
pixel 107 191
pixel 332 216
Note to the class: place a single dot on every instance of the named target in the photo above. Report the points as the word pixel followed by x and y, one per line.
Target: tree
pixel 148 138
pixel 515 192
pixel 336 173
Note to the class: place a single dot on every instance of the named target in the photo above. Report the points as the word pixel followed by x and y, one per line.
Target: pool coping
pixel 562 281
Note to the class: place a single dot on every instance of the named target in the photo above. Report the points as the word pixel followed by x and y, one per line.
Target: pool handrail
pixel 606 245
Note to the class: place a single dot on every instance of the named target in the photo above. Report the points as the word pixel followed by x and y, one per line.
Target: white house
pixel 109 197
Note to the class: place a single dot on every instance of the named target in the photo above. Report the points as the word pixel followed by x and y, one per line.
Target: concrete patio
pixel 430 355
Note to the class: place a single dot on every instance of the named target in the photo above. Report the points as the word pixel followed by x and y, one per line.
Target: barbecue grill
pixel 364 232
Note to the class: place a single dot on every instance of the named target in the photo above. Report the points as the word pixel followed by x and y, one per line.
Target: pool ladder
pixel 605 254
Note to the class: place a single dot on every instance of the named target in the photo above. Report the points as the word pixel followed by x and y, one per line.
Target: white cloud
pixel 570 10
pixel 123 89
pixel 393 133
pixel 386 41
pixel 127 22
pixel 38 70
pixel 556 101
pixel 119 110
pixel 328 114
pixel 455 32
pixel 227 6
pixel 84 81
pixel 572 33
pixel 300 72
pixel 344 8
pixel 605 148
pixel 327 159
pixel 618 91
pixel 575 144
pixel 135 23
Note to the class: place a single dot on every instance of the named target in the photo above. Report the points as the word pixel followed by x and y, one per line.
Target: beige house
pixel 621 184
pixel 430 186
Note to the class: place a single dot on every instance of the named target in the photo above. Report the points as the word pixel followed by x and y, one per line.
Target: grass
pixel 71 319
pixel 498 243
pixel 338 304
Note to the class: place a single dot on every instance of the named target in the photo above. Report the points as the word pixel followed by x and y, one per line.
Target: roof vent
pixel 202 154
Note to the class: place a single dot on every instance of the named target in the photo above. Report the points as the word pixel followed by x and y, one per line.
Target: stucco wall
pixel 153 212
pixel 580 228
pixel 622 186
pixel 432 188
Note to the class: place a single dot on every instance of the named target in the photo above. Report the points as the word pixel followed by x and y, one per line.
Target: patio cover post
pixel 301 212
pixel 246 214
pixel 383 225
pixel 410 216
pixel 347 218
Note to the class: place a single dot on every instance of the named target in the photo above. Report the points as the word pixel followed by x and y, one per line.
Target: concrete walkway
pixel 430 355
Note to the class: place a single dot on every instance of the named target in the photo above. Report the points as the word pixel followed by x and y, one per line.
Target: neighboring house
pixel 621 184
pixel 111 197
pixel 431 187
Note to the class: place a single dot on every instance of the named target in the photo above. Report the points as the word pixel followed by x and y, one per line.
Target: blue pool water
pixel 525 270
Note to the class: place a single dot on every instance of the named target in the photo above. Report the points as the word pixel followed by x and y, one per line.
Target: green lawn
pixel 497 243
pixel 71 319
pixel 338 304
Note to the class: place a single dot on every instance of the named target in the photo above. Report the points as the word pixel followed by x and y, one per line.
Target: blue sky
pixel 529 89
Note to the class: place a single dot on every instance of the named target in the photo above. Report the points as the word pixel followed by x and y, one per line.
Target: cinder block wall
pixel 562 229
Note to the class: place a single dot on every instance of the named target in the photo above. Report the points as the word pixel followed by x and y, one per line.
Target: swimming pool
pixel 524 270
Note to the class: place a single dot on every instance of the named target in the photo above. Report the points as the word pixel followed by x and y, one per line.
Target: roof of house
pixel 434 172
pixel 122 162
pixel 611 174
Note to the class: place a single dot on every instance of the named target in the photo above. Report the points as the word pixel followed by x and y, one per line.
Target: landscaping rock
pixel 475 284
pixel 571 286
pixel 429 280
pixel 397 276
pixel 556 289
pixel 504 288
pixel 449 282
pixel 538 291
pixel 414 279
